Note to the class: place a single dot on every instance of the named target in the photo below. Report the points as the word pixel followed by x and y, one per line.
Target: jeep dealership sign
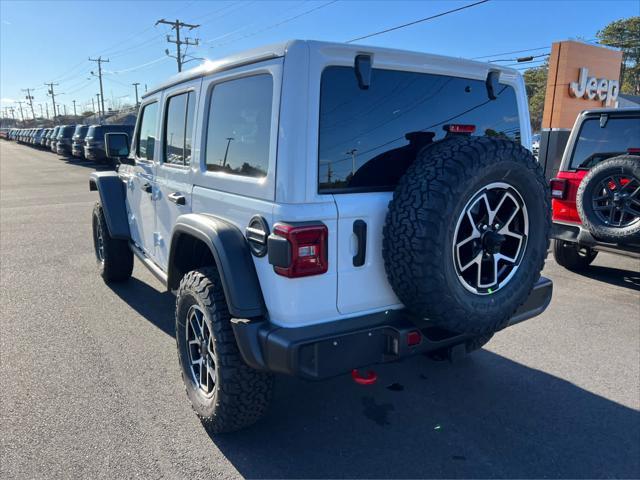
pixel 591 88
pixel 581 77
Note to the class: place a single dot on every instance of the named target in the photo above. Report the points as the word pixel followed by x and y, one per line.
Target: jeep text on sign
pixel 591 88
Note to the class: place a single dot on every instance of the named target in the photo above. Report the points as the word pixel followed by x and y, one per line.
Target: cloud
pixel 4 22
pixel 5 100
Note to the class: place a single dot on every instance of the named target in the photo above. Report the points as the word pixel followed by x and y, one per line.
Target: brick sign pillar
pixel 581 77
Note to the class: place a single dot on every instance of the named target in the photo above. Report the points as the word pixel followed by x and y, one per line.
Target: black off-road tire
pixel 115 264
pixel 241 394
pixel 627 165
pixel 476 343
pixel 573 257
pixel 421 221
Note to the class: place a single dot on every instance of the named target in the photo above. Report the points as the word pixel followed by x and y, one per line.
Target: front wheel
pixel 225 392
pixel 572 256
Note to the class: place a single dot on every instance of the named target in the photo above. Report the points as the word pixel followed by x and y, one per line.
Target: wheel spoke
pixel 476 260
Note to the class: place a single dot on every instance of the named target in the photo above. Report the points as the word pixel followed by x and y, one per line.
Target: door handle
pixel 147 187
pixel 360 231
pixel 177 198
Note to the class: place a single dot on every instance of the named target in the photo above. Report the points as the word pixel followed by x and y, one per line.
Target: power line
pixel 417 21
pixel 523 51
pixel 277 24
pixel 177 25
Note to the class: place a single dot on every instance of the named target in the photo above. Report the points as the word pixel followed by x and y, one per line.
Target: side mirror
pixel 117 146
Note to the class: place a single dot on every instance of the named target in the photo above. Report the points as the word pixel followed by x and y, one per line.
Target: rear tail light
pixel 298 250
pixel 634 150
pixel 558 188
pixel 459 128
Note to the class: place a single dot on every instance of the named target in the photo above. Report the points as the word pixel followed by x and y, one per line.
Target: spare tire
pixel 608 200
pixel 467 233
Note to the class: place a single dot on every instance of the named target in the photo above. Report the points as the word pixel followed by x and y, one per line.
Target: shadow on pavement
pixel 80 162
pixel 614 276
pixel 486 416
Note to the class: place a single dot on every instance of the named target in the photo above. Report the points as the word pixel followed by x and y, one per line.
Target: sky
pixel 51 41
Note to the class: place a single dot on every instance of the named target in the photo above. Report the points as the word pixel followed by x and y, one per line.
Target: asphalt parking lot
pixel 90 386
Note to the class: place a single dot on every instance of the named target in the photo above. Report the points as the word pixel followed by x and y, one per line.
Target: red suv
pixel 596 195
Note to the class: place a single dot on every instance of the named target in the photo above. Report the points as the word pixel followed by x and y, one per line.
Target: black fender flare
pixel 233 260
pixel 113 194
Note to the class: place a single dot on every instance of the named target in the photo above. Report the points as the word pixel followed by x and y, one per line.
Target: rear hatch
pixel 369 137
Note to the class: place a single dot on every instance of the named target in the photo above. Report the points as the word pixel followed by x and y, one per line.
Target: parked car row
pixel 80 141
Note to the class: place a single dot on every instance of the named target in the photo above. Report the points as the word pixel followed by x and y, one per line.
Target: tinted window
pixel 240 126
pixel 147 134
pixel 368 138
pixel 178 129
pixel 80 131
pixel 595 144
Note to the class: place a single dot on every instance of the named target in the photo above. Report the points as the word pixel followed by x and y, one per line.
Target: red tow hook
pixel 368 379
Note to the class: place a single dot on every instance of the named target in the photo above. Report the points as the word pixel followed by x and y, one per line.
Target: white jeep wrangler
pixel 321 207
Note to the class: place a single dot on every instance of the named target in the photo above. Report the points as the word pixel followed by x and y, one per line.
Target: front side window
pixel 239 129
pixel 596 143
pixel 178 129
pixel 147 132
pixel 368 138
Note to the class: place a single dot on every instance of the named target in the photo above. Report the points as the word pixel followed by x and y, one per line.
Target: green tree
pixel 625 35
pixel 535 80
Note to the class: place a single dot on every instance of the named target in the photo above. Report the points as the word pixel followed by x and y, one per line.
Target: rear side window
pixel 596 143
pixel 368 138
pixel 239 126
pixel 178 129
pixel 147 131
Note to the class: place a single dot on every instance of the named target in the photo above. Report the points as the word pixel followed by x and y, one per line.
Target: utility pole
pixel 100 61
pixel 93 105
pixel 53 96
pixel 19 102
pixel 41 114
pixel 187 41
pixel 100 112
pixel 29 97
pixel 74 108
pixel 46 106
pixel 135 85
pixel 65 109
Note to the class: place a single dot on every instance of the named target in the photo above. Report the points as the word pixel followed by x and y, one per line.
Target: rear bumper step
pixel 330 349
pixel 575 233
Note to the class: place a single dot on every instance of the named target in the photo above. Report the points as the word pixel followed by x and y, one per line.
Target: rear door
pixel 173 174
pixel 367 140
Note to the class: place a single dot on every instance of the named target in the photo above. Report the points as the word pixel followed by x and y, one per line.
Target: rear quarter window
pixel 368 138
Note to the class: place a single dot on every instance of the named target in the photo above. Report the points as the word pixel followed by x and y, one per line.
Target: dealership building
pixel 581 77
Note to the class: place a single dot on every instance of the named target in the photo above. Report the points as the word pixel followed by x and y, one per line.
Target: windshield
pixel 596 143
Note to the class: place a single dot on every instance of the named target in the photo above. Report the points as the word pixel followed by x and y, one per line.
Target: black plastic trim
pixel 279 250
pixel 112 198
pixel 329 349
pixel 360 231
pixel 578 234
pixel 233 260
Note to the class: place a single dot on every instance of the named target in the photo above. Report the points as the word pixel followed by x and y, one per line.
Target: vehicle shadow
pixel 80 162
pixel 614 276
pixel 485 416
pixel 156 307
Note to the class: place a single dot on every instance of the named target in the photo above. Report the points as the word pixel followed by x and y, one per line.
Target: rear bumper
pixel 576 233
pixel 329 349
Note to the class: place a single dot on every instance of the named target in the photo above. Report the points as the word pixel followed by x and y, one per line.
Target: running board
pixel 147 262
